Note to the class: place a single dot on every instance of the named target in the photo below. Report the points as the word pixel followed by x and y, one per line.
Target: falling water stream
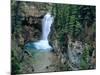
pixel 46 24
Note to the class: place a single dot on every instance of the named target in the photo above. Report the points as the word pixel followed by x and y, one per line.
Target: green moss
pixel 84 61
pixel 15 65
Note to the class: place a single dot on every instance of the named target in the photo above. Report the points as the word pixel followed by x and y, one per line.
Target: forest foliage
pixel 73 19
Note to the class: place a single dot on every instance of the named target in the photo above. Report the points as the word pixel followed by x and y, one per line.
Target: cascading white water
pixel 43 44
pixel 46 24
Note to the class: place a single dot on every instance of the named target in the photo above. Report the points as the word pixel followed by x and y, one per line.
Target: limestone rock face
pixel 75 50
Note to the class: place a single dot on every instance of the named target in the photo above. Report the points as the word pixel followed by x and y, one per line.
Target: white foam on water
pixel 42 45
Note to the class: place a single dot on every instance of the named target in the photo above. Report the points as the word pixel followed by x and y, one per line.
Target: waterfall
pixel 46 24
pixel 43 44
